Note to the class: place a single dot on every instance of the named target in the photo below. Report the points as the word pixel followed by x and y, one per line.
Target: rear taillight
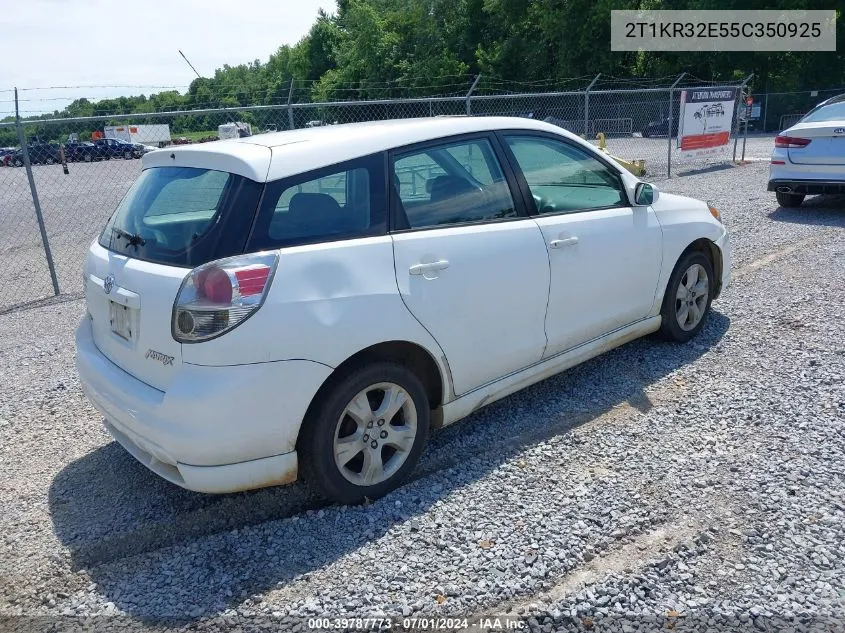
pixel 791 141
pixel 220 295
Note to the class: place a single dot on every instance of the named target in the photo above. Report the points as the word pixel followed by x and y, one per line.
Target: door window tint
pixel 452 183
pixel 564 178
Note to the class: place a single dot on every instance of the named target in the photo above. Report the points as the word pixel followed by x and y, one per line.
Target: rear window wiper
pixel 132 240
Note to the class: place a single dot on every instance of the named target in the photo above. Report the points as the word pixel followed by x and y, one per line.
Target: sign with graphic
pixel 706 120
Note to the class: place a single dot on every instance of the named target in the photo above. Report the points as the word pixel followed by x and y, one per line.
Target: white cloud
pixel 104 43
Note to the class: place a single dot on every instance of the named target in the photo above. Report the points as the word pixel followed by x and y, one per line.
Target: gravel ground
pixel 700 487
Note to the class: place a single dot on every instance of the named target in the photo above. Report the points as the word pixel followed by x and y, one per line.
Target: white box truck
pixel 154 134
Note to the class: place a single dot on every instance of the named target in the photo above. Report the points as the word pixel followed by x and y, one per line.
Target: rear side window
pixel 183 216
pixel 339 202
pixel 831 112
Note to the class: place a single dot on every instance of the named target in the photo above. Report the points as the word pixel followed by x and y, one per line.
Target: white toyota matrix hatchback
pixel 315 301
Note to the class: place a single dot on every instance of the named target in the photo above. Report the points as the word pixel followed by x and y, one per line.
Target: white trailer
pixel 150 134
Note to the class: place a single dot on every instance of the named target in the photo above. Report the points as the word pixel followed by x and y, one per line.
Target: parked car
pixel 660 128
pixel 809 157
pixel 262 308
pixel 39 154
pixel 106 148
pixel 76 151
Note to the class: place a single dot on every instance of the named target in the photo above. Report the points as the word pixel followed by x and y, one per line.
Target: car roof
pixel 274 155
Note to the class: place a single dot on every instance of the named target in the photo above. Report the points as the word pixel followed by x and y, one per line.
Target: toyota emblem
pixel 108 283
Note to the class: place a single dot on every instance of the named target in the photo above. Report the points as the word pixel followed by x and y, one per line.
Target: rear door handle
pixel 567 241
pixel 421 269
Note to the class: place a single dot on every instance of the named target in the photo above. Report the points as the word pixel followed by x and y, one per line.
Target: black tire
pixel 670 327
pixel 315 446
pixel 17 162
pixel 127 155
pixel 49 161
pixel 789 199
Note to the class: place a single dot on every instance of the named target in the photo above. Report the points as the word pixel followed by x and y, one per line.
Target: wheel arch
pixel 411 355
pixel 714 253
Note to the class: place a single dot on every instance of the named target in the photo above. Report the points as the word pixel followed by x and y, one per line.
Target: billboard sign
pixel 706 120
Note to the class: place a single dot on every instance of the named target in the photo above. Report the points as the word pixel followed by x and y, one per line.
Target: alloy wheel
pixel 375 434
pixel 691 297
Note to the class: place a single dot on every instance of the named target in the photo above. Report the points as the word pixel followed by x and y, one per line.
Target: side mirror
pixel 645 194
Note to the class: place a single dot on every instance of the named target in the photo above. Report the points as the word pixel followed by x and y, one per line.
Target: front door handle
pixel 567 241
pixel 421 269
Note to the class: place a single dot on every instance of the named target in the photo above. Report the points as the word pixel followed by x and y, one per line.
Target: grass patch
pixel 194 136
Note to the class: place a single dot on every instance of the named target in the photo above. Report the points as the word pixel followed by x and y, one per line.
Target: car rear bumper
pixel 807 187
pixel 216 429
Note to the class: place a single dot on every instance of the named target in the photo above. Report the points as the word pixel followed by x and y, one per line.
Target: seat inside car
pixel 316 214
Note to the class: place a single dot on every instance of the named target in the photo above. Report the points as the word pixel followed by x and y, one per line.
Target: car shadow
pixel 106 507
pixel 705 170
pixel 816 210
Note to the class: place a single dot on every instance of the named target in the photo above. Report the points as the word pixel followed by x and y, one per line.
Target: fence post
pixel 741 103
pixel 469 94
pixel 290 107
pixel 587 106
pixel 765 112
pixel 35 201
pixel 671 121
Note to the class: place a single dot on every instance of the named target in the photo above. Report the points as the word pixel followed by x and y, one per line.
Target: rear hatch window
pixel 183 216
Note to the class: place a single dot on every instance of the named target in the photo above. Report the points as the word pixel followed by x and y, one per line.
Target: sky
pixel 130 47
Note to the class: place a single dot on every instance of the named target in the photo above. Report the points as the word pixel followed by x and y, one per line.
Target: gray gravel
pixel 699 485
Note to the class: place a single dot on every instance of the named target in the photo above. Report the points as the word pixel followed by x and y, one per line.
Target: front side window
pixel 454 183
pixel 564 178
pixel 333 203
pixel 183 216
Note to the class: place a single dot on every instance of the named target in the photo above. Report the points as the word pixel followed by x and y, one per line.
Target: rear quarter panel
pixel 327 302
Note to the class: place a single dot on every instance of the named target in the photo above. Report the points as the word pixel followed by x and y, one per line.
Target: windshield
pixel 832 112
pixel 183 216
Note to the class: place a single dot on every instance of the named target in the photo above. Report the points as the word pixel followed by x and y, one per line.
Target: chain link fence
pixel 776 111
pixel 56 196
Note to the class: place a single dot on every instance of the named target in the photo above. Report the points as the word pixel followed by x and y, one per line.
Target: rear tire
pixel 127 155
pixel 689 293
pixel 789 199
pixel 365 436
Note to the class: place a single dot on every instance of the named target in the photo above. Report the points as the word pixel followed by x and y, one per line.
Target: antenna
pixel 187 61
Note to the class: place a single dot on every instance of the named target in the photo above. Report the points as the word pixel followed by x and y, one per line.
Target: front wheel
pixel 789 199
pixel 366 435
pixel 689 293
pixel 127 155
